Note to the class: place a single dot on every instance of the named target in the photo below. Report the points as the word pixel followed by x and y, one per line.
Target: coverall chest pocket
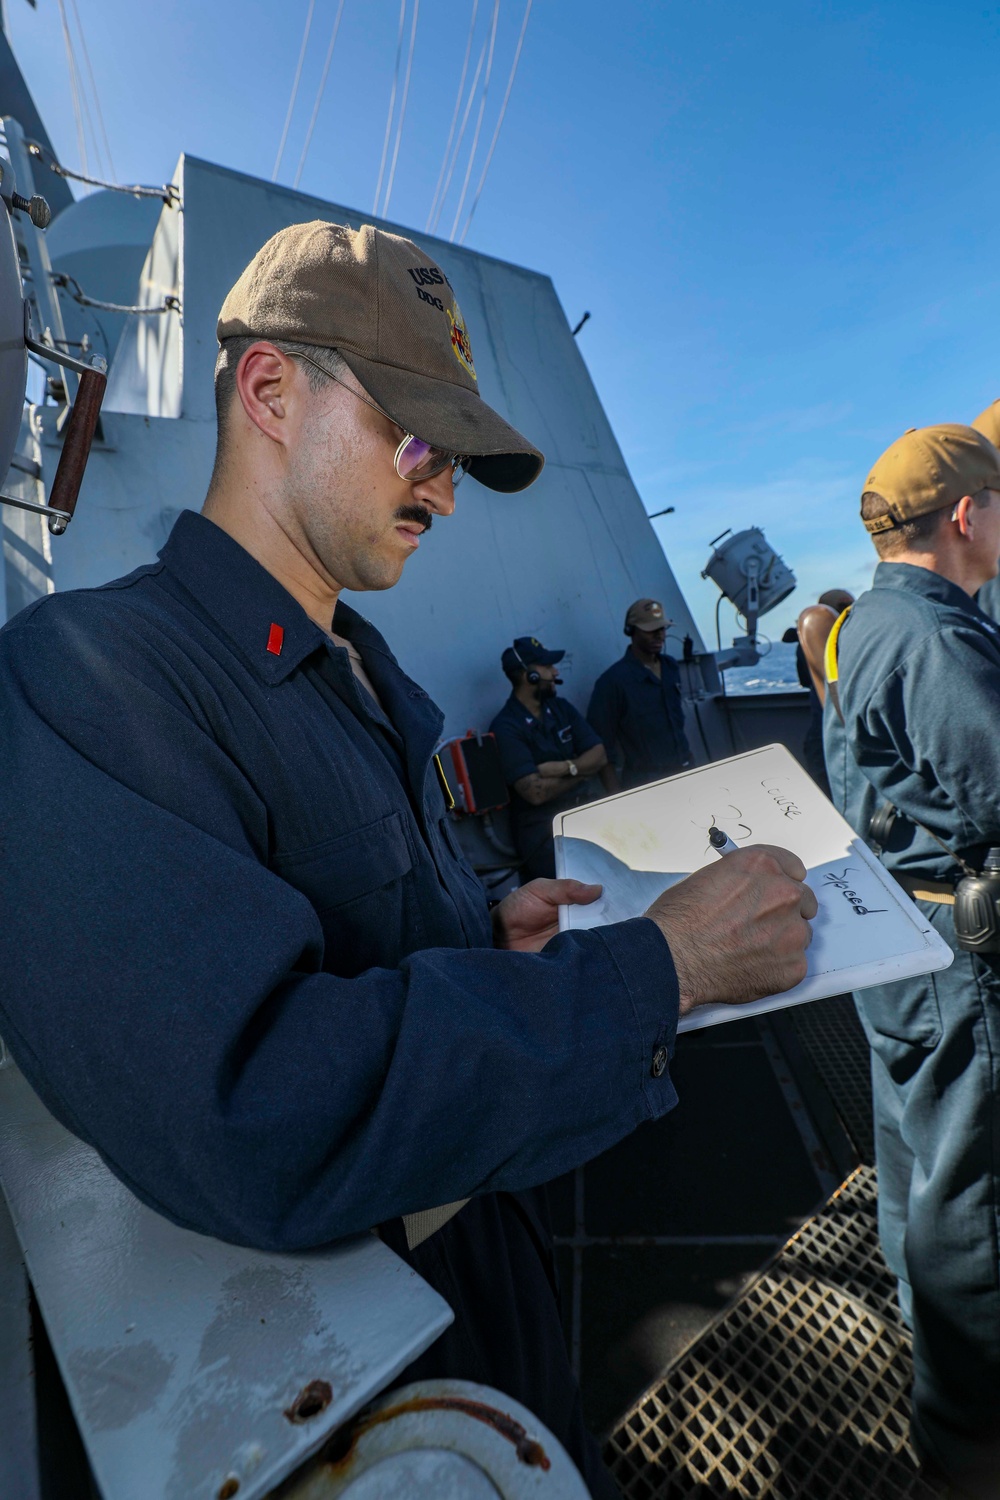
pixel 361 886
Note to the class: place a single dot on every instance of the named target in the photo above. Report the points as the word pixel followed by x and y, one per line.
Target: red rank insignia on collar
pixel 275 638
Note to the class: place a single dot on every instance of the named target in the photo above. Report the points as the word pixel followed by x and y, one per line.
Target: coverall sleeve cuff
pixel 643 958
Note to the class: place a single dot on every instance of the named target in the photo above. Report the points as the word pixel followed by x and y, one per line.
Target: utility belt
pixel 420 1226
pixel 974 900
pixel 919 888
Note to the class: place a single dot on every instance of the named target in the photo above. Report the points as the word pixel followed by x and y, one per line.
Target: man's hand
pixel 526 919
pixel 738 929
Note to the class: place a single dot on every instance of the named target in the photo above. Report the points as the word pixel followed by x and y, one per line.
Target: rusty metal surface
pixel 799 1389
pixel 196 1370
pixel 440 1440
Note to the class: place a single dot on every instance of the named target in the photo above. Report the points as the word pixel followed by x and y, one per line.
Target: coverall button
pixel 659 1062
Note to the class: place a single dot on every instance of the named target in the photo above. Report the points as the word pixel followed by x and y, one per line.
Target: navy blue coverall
pixel 560 732
pixel 988 598
pixel 919 687
pixel 640 717
pixel 267 993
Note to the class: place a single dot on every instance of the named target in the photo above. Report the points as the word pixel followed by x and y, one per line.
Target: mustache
pixel 418 513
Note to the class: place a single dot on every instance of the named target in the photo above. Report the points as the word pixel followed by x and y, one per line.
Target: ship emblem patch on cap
pixel 461 346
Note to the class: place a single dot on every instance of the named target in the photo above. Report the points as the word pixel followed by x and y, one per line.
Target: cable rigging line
pixel 169 192
pixel 319 94
pixel 461 136
pixel 454 117
pixel 97 97
pixel 496 132
pixel 171 303
pixel 295 89
pixel 74 87
pixel 479 120
pixel 81 101
pixel 392 104
pixel 402 108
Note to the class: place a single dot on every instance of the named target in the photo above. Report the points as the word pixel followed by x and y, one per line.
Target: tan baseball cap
pixel 390 312
pixel 645 614
pixel 929 468
pixel 988 423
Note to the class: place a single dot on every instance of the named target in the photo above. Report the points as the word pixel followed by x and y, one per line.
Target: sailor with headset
pixel 547 750
pixel 913 756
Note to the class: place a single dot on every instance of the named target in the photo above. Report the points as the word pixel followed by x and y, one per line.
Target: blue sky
pixel 783 220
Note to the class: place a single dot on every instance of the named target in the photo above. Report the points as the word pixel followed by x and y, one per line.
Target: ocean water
pixel 774 673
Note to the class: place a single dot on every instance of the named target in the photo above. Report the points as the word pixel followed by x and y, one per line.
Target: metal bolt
pixel 36 208
pixel 311 1400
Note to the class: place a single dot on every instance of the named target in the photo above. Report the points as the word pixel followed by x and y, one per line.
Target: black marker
pixel 721 842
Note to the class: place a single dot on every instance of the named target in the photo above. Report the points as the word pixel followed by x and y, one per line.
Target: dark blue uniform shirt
pixel 640 718
pixel 988 598
pixel 919 685
pixel 241 953
pixel 525 742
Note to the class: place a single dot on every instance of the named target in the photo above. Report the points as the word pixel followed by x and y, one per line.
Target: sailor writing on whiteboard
pixel 274 998
pixel 547 749
pixel 913 755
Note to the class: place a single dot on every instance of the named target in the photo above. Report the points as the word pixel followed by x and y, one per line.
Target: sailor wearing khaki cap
pixel 636 705
pixel 391 316
pixel 278 1005
pixel 913 755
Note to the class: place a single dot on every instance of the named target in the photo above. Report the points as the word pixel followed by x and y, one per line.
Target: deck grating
pixel 800 1388
pixel 835 1041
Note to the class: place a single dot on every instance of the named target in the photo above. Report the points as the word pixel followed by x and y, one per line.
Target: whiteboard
pixel 636 844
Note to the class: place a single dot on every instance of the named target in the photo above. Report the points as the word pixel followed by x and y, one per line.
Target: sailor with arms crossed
pixel 913 756
pixel 277 1003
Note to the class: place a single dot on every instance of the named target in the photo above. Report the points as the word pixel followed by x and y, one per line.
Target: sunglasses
pixel 414 459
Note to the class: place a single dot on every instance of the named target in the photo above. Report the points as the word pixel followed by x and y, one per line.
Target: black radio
pixel 977 896
pixel 977 908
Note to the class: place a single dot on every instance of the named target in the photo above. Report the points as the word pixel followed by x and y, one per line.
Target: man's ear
pixel 263 378
pixel 963 514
